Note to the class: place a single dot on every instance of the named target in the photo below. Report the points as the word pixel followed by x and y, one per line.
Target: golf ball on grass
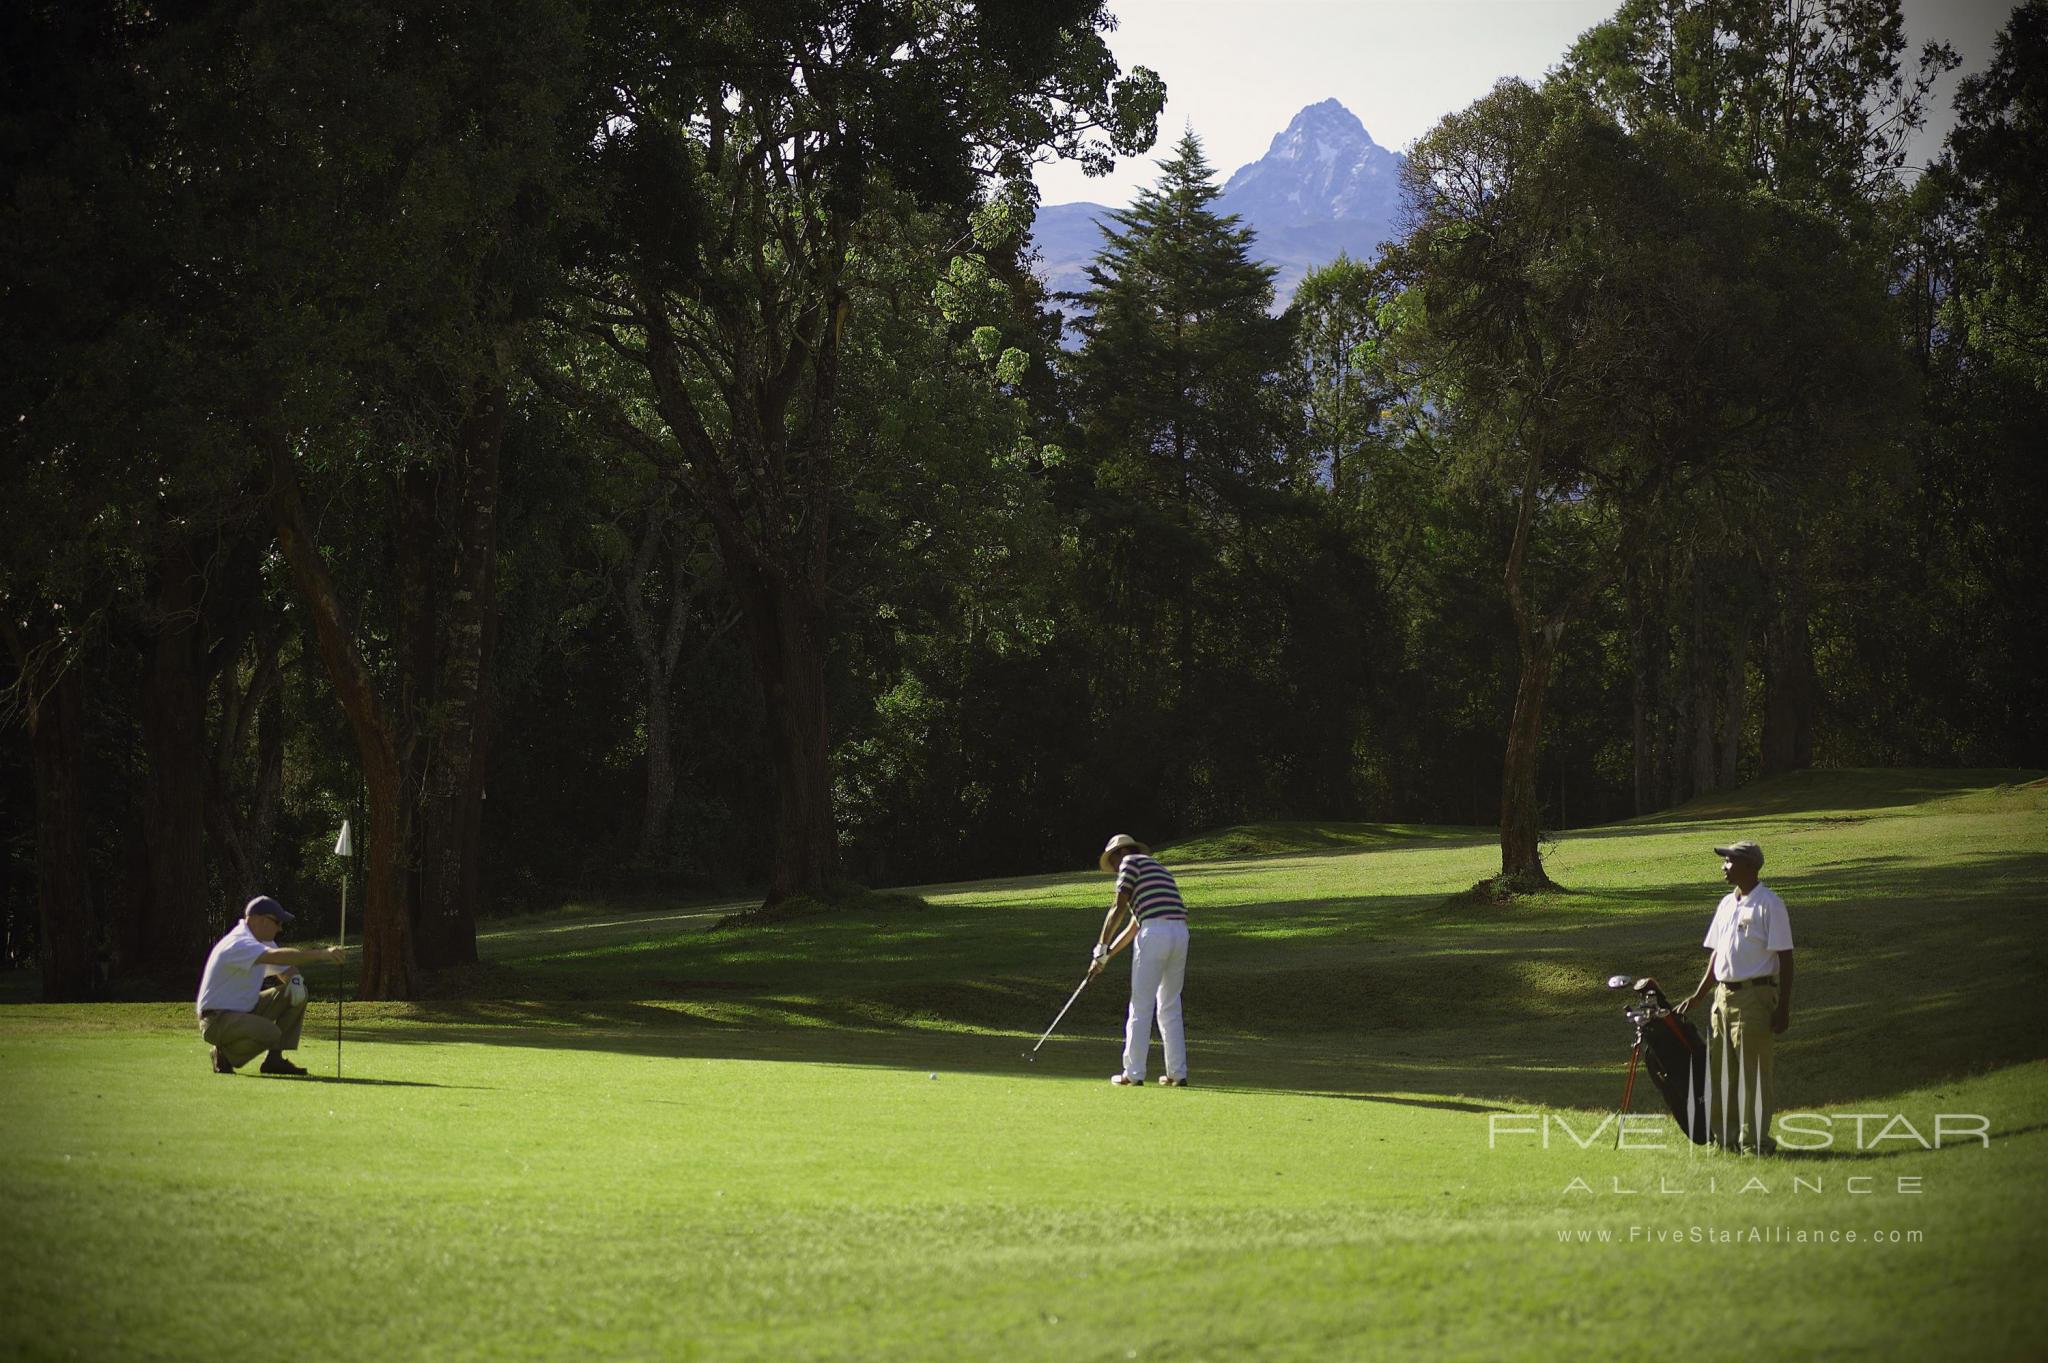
pixel 933 1076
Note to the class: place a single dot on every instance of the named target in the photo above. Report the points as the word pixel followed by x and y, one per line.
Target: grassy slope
pixel 645 1140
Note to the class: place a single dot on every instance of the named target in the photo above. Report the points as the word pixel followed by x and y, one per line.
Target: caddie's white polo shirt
pixel 1747 933
pixel 234 980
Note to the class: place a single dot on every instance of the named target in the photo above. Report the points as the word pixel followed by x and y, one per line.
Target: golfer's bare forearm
pixel 1109 920
pixel 1706 982
pixel 1121 907
pixel 1785 984
pixel 298 956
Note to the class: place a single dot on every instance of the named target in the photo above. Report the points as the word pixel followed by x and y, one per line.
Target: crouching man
pixel 251 999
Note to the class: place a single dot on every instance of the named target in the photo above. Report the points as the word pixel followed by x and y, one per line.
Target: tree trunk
pixel 1521 831
pixel 1678 695
pixel 418 671
pixel 1789 687
pixel 55 711
pixel 808 844
pixel 785 631
pixel 1521 853
pixel 241 827
pixel 1702 658
pixel 658 657
pixel 1732 706
pixel 171 939
pixel 453 785
pixel 661 773
pixel 1641 741
pixel 386 970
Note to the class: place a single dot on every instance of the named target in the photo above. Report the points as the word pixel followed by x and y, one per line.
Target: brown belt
pixel 1742 984
pixel 217 1012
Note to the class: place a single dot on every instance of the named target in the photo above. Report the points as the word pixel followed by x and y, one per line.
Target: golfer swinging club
pixel 1158 925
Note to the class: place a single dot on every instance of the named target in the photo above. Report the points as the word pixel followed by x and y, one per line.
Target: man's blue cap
pixel 267 906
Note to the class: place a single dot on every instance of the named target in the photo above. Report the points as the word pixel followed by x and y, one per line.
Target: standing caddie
pixel 252 998
pixel 1749 968
pixel 1155 924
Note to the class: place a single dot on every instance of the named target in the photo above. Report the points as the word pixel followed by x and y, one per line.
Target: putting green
pixel 636 1138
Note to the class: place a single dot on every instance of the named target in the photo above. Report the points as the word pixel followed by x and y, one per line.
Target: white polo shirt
pixel 233 978
pixel 1747 933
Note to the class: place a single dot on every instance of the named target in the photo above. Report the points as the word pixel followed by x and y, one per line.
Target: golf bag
pixel 1670 1048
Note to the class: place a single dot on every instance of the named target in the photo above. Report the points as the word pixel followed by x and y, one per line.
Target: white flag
pixel 342 847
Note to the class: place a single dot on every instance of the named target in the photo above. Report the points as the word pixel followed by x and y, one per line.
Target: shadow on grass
pixel 1515 1015
pixel 351 1080
pixel 1441 1104
pixel 1910 970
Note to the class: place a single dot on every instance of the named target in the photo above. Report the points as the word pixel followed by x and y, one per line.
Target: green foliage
pixel 1340 313
pixel 1929 657
pixel 2000 175
pixel 1811 100
pixel 1221 601
pixel 1218 566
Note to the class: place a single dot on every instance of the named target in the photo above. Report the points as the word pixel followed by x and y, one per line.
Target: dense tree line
pixel 625 447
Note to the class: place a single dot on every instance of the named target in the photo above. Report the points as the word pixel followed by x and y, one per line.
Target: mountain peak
pixel 1323 167
pixel 1329 119
pixel 1323 187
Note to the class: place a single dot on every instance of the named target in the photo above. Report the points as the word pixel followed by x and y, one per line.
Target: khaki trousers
pixel 1741 1088
pixel 273 1026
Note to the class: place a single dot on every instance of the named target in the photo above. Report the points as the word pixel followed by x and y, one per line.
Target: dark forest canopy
pixel 625 448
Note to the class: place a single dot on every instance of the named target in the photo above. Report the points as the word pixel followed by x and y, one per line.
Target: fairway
pixel 634 1134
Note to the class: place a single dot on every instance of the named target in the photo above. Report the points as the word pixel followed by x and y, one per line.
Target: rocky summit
pixel 1323 187
pixel 1325 168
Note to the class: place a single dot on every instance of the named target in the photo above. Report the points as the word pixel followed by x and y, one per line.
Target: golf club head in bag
pixel 1673 1052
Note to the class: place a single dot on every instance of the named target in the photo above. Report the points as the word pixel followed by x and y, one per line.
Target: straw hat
pixel 1113 855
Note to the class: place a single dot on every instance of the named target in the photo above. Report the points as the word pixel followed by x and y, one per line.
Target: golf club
pixel 1032 1054
pixel 1670 1050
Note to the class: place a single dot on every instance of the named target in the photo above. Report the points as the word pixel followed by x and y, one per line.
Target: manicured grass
pixel 634 1138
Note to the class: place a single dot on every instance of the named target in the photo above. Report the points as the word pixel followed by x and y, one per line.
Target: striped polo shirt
pixel 1152 889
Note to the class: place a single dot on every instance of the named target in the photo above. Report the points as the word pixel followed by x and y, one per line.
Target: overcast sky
pixel 1238 70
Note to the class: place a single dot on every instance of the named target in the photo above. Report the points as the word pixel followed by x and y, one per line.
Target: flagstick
pixel 341 975
pixel 344 850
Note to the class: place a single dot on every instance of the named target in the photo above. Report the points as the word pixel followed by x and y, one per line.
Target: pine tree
pixel 1180 369
pixel 1189 420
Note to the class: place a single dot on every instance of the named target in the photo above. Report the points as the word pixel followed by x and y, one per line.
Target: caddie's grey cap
pixel 1743 851
pixel 268 907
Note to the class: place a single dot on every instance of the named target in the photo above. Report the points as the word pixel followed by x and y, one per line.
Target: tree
pixel 1932 663
pixel 1187 421
pixel 306 240
pixel 118 506
pixel 1337 320
pixel 1998 169
pixel 1812 101
pixel 1605 321
pixel 745 147
pixel 665 586
pixel 1809 98
pixel 1225 601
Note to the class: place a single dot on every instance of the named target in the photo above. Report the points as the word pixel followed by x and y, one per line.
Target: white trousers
pixel 1159 962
